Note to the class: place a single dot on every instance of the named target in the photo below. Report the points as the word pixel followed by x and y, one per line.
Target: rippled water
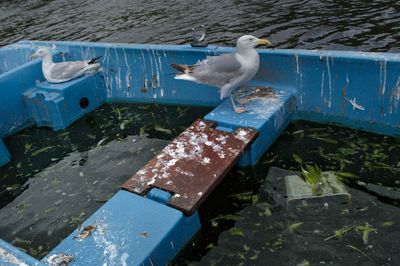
pixel 344 25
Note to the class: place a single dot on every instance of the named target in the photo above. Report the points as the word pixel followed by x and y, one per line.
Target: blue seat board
pixel 131 230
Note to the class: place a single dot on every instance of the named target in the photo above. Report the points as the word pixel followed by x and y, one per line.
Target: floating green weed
pixel 265 209
pixel 162 130
pixel 388 223
pixel 365 230
pixel 21 242
pixel 294 226
pixel 44 149
pixel 354 248
pixel 232 217
pixel 277 244
pixel 235 231
pixel 304 263
pixel 313 176
pixel 340 233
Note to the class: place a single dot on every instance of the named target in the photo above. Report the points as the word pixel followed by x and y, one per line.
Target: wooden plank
pixel 193 164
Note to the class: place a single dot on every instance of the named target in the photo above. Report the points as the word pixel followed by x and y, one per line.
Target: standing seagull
pixel 64 71
pixel 227 71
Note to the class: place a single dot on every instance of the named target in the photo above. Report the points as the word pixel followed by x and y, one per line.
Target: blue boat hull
pixel 359 90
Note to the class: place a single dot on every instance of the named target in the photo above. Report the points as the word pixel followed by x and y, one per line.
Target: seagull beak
pixel 263 42
pixel 33 56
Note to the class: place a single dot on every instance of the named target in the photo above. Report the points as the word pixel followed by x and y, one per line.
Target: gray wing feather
pixel 217 70
pixel 67 70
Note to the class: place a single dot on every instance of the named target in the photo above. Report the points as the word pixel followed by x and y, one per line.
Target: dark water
pixel 316 24
pixel 246 221
pixel 56 180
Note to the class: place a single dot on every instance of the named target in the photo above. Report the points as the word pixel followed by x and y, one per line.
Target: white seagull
pixel 227 71
pixel 64 71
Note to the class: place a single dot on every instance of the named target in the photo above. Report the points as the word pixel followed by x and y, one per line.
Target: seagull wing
pixel 217 70
pixel 67 70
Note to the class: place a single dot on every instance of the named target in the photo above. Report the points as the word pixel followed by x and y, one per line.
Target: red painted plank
pixel 193 164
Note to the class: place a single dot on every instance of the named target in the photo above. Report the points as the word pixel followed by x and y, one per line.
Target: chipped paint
pixel 329 82
pixel 383 76
pixel 355 104
pixel 59 259
pixel 300 78
pixel 123 259
pixel 106 241
pixel 85 232
pixel 394 98
pixel 198 151
pixel 10 258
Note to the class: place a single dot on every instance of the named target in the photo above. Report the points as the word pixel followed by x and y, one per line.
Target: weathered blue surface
pixel 12 256
pixel 131 230
pixel 59 105
pixel 323 79
pixel 269 116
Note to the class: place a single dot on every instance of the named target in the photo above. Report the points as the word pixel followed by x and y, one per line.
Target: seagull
pixel 64 71
pixel 226 71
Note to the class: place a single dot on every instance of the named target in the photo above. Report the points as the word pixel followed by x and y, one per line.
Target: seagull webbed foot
pixel 239 110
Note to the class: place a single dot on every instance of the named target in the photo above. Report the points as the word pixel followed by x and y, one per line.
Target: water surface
pixel 318 24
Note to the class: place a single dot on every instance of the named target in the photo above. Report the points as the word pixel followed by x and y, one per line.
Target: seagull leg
pixel 243 101
pixel 237 110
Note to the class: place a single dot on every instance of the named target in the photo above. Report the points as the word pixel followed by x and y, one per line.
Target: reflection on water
pixel 316 24
pixel 246 220
pixel 56 180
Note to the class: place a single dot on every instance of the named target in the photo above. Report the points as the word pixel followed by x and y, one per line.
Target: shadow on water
pixel 56 180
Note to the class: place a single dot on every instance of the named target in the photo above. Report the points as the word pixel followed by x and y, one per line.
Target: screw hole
pixel 84 102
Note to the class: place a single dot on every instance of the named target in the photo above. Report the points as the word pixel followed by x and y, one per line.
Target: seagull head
pixel 249 41
pixel 41 52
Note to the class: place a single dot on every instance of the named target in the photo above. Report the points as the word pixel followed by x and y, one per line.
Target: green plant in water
pixel 313 176
pixel 365 230
pixel 339 233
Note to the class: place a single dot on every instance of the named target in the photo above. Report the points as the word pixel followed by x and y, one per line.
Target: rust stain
pixel 193 164
pixel 343 100
pixel 85 232
pixel 144 87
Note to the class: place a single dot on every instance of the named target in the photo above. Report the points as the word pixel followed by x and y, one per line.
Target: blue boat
pixel 353 89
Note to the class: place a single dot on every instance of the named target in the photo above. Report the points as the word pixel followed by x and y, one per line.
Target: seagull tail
pixel 94 60
pixel 94 67
pixel 185 72
pixel 180 67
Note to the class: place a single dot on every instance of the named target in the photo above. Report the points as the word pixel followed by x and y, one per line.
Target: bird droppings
pixel 85 232
pixel 106 240
pixel 206 160
pixel 144 234
pixel 355 104
pixel 199 150
pixel 5 256
pixel 59 259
